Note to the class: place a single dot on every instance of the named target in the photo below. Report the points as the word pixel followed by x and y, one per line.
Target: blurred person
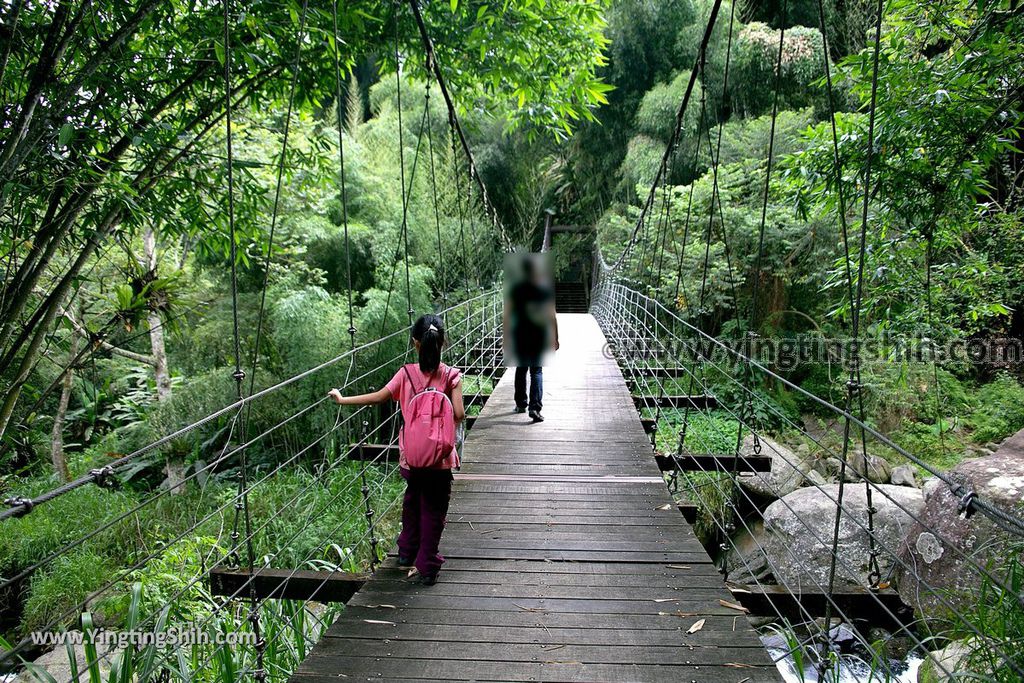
pixel 530 327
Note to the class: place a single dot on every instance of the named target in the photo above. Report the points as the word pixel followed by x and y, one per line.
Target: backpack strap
pixel 426 386
pixel 409 375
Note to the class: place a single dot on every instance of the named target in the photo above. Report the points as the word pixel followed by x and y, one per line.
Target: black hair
pixel 429 332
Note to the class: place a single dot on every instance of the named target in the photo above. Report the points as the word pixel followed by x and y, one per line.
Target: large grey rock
pixel 799 528
pixel 941 666
pixel 57 664
pixel 745 558
pixel 877 470
pixel 904 475
pixel 947 550
pixel 816 478
pixel 787 473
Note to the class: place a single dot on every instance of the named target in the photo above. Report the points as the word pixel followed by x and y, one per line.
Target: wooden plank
pixel 430 601
pixel 796 602
pixel 715 633
pixel 639 372
pixel 356 615
pixel 697 402
pixel 337 648
pixel 550 670
pixel 286 584
pixel 681 579
pixel 514 566
pixel 580 525
pixel 588 555
pixel 667 598
pixel 714 462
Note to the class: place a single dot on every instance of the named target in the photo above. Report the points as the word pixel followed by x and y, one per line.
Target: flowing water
pixel 852 669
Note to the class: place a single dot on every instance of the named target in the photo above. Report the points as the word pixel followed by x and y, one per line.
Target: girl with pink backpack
pixel 430 396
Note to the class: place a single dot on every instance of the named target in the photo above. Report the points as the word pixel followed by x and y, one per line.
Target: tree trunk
pixel 60 463
pixel 156 330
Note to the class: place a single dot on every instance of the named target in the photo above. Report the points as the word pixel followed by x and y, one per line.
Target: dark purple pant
pixel 427 493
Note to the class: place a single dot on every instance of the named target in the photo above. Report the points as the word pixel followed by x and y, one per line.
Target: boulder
pixel 786 475
pixel 946 549
pixel 745 559
pixel 1014 443
pixel 830 467
pixel 939 666
pixel 904 475
pixel 799 528
pixel 816 478
pixel 56 663
pixel 877 469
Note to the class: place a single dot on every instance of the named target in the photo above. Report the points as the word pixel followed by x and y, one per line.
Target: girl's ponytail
pixel 428 330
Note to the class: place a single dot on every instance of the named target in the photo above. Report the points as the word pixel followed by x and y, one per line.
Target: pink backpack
pixel 428 432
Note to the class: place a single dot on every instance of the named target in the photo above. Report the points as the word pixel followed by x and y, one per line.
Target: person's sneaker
pixel 404 561
pixel 428 580
pixel 536 416
pixel 520 409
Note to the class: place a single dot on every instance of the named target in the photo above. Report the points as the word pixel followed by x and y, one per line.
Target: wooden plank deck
pixel 566 558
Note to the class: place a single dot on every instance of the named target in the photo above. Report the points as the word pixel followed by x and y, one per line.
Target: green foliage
pixel 657 113
pixel 706 432
pixel 941 130
pixel 715 494
pixel 28 540
pixel 998 654
pixel 66 582
pixel 307 517
pixel 1000 410
pixel 747 138
pixel 643 157
pixel 941 451
pixel 476 384
pixel 757 56
pixel 898 392
pixel 333 255
pixel 168 582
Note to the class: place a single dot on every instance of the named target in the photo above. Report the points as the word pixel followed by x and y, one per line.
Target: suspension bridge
pixel 570 549
pixel 568 555
pixel 567 558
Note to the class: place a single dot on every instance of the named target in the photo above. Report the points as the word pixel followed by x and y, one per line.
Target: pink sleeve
pixel 454 378
pixel 394 385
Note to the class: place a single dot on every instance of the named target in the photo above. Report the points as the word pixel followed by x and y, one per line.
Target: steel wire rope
pixel 865 528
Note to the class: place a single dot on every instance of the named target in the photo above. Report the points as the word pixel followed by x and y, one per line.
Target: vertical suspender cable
pixel 401 168
pixel 437 210
pixel 680 113
pixel 275 211
pixel 259 674
pixel 855 293
pixel 761 229
pixel 341 178
pixel 432 63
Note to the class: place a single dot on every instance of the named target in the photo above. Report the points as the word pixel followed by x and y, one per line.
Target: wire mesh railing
pixel 821 539
pixel 315 505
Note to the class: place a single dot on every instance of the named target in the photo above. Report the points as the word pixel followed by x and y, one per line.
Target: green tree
pixel 108 114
